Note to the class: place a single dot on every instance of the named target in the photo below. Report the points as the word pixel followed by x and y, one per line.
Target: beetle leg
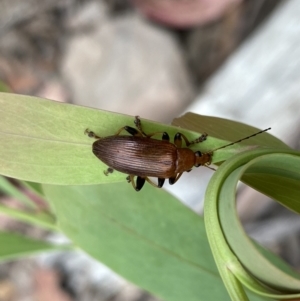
pixel 138 124
pixel 172 180
pixel 161 182
pixel 130 130
pixel 200 139
pixel 153 184
pixel 108 171
pixel 178 140
pixel 165 137
pixel 175 179
pixel 139 183
pixel 91 134
pixel 130 179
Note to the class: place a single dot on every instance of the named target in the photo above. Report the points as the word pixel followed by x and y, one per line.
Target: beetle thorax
pixel 185 160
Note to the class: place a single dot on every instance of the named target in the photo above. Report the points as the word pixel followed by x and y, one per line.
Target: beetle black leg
pixel 130 130
pixel 91 134
pixel 175 179
pixel 108 171
pixel 172 180
pixel 165 137
pixel 139 183
pixel 161 182
pixel 198 140
pixel 178 140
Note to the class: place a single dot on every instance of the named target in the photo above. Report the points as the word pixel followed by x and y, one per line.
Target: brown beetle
pixel 141 156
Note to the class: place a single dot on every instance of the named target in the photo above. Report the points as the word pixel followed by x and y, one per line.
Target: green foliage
pixel 148 237
pixel 15 246
pixel 231 247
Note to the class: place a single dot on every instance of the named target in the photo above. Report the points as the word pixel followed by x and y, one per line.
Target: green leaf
pixel 260 266
pixel 11 190
pixel 147 237
pixel 32 215
pixel 278 176
pixel 14 246
pixel 227 130
pixel 230 245
pixel 144 234
pixel 43 141
pixel 34 187
pixel 38 218
pixel 4 87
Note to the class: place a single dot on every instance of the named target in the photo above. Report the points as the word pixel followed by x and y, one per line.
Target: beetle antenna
pixel 210 167
pixel 240 140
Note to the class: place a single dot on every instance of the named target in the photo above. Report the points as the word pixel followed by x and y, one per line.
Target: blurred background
pixel 235 59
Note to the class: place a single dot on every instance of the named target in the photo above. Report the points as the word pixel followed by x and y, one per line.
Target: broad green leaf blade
pixel 147 237
pixel 14 246
pixel 43 141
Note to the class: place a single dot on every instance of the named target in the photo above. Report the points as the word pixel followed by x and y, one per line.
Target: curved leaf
pixel 277 176
pixel 228 241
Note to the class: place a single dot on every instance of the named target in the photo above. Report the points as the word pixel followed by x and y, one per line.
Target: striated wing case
pixel 139 156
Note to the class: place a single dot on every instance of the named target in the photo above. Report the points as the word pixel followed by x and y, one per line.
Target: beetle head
pixel 202 159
